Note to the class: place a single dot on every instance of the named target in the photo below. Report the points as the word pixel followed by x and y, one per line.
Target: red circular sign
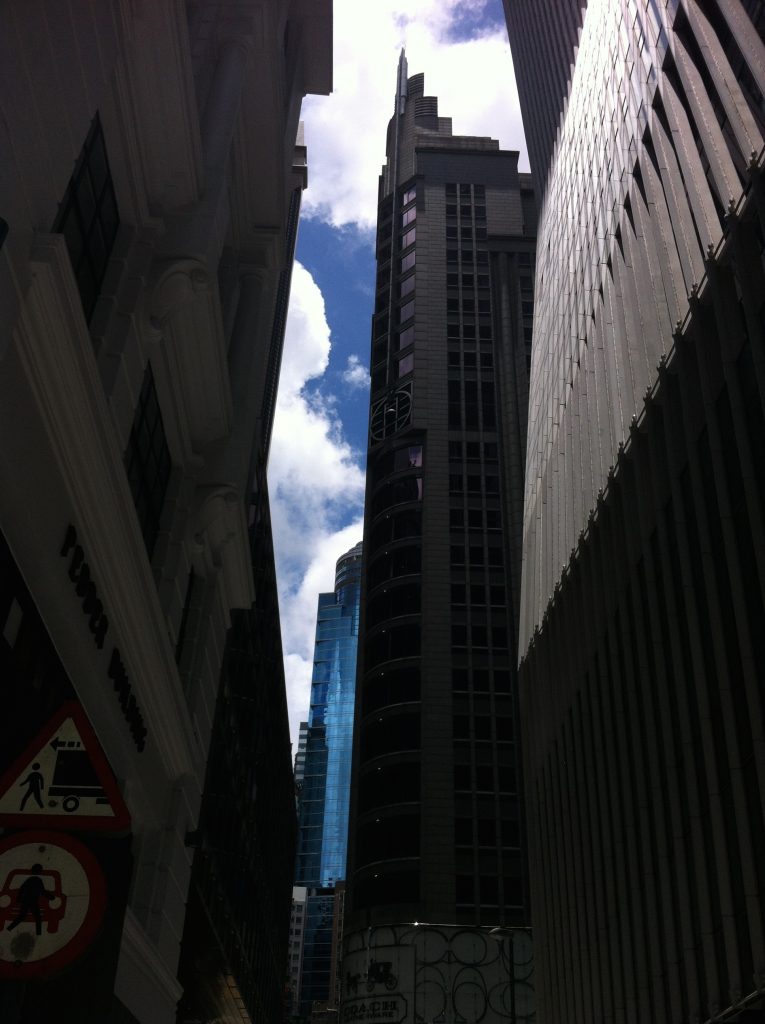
pixel 52 901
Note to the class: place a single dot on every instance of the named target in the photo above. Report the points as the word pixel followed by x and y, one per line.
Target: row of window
pixel 389 784
pixel 393 734
pixel 478 635
pixel 473 483
pixel 468 305
pixel 478 595
pixel 467 234
pixel 395 461
pixel 483 727
pixel 472 450
pixel 484 778
pixel 390 644
pixel 468 331
pixel 481 680
pixel 486 832
pixel 466 257
pixel 470 414
pixel 465 192
pixel 397 492
pixel 399 684
pixel 488 891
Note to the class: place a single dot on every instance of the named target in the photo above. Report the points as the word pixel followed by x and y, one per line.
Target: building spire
pixel 401 87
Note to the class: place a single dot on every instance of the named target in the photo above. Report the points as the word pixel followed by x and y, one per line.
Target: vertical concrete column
pixel 222 106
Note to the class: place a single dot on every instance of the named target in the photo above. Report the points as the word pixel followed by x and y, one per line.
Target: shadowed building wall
pixel 436 822
pixel 642 622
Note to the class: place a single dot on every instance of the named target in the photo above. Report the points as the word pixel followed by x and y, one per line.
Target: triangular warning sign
pixel 63 780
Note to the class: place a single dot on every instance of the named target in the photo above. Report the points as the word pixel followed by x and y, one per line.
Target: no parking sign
pixel 52 901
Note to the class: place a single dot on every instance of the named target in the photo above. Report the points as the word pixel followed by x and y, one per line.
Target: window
pixel 184 616
pixel 408 216
pixel 88 217
pixel 463 831
pixel 451 232
pixel 396 685
pixel 406 337
pixel 405 365
pixel 406 311
pixel 147 461
pixel 408 238
pixel 456 554
pixel 460 679
pixel 408 458
pixel 459 639
pixel 407 286
pixel 451 210
pixel 407 262
pixel 451 256
pixel 409 195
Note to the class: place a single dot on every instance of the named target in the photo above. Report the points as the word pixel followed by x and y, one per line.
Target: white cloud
pixel 315 482
pixel 345 132
pixel 355 374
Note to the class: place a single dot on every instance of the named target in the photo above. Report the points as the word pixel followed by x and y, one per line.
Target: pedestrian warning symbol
pixel 52 900
pixel 63 777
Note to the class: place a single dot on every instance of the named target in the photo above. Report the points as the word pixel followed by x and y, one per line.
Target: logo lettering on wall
pixel 85 588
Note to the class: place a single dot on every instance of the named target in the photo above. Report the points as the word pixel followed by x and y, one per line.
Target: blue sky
pixel 316 469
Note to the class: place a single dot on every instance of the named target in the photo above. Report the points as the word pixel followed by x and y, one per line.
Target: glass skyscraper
pixel 325 789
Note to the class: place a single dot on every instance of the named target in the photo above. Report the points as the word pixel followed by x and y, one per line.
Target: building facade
pixel 642 614
pixel 326 777
pixel 297 935
pixel 435 848
pixel 151 181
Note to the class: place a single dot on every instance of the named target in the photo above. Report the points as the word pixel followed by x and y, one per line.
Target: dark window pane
pixel 147 461
pixel 88 218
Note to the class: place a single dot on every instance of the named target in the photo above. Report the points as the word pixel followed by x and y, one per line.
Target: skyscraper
pixel 642 622
pixel 435 818
pixel 326 774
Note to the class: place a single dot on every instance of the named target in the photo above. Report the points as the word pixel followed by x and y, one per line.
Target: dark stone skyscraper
pixel 642 634
pixel 436 824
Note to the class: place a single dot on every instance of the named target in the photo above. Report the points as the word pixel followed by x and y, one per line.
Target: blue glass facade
pixel 325 789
